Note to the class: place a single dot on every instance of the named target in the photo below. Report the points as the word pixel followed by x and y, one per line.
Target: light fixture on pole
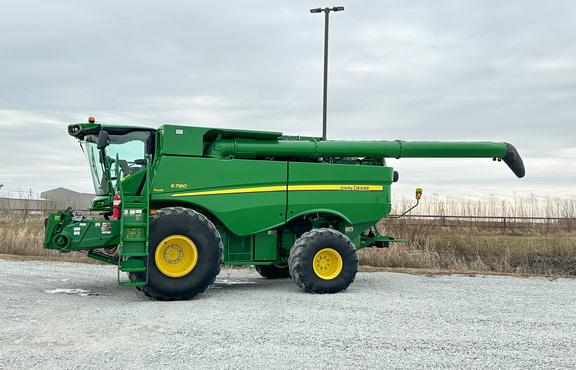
pixel 325 98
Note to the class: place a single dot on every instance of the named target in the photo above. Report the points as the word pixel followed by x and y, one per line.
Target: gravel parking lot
pixel 70 315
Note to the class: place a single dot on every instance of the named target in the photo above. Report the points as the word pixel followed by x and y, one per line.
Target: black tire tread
pixel 161 287
pixel 302 254
pixel 272 272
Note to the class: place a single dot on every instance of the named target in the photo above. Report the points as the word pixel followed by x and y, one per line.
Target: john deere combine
pixel 177 202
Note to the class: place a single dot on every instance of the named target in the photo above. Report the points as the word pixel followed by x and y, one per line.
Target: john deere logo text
pixel 354 188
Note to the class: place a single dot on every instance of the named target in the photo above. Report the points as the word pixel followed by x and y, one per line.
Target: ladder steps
pixel 132 283
pixel 133 263
pixel 134 231
pixel 132 269
pixel 135 254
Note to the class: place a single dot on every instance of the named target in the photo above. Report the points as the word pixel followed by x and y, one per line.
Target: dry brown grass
pixel 522 248
pixel 23 235
pixel 519 206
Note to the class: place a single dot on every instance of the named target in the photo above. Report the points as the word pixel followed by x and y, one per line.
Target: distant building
pixel 24 205
pixel 61 198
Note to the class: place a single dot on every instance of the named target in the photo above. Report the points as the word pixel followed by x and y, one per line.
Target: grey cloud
pixel 448 70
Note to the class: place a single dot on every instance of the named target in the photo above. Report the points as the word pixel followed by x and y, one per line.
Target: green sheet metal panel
pixel 356 193
pixel 181 140
pixel 189 140
pixel 247 196
pixel 237 248
pixel 265 245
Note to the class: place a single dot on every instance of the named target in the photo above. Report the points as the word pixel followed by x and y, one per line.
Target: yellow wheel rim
pixel 327 264
pixel 176 256
pixel 280 266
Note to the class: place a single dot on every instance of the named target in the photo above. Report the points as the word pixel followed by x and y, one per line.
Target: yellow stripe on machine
pixel 261 189
pixel 268 189
pixel 335 187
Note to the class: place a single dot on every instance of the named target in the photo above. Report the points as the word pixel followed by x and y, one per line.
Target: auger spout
pixel 311 148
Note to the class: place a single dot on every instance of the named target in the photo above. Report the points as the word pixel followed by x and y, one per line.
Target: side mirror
pixel 418 196
pixel 418 193
pixel 102 140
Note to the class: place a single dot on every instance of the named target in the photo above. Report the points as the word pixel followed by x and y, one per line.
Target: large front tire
pixel 184 254
pixel 323 261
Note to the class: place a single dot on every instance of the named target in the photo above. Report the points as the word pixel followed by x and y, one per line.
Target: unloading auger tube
pixel 248 148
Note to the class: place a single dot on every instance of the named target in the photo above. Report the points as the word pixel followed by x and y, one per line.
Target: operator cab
pixel 111 147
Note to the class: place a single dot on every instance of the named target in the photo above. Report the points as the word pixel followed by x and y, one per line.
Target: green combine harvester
pixel 177 202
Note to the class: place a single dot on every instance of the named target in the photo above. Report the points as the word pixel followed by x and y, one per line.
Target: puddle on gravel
pixel 80 292
pixel 63 280
pixel 220 282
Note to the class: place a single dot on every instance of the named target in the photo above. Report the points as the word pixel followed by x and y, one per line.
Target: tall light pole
pixel 325 98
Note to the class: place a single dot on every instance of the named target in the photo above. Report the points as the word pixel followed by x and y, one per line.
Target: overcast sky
pixel 412 70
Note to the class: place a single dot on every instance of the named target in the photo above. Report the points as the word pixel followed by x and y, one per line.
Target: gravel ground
pixel 66 315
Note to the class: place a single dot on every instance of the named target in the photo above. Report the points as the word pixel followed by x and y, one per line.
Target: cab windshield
pixel 130 148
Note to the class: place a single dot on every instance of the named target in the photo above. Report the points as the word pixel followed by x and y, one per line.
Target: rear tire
pixel 273 271
pixel 323 261
pixel 184 254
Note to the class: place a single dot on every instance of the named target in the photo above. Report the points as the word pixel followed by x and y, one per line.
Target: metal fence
pixel 502 222
pixel 22 212
pixel 490 222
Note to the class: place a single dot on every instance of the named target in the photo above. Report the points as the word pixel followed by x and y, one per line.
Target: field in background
pixel 525 235
pixel 23 235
